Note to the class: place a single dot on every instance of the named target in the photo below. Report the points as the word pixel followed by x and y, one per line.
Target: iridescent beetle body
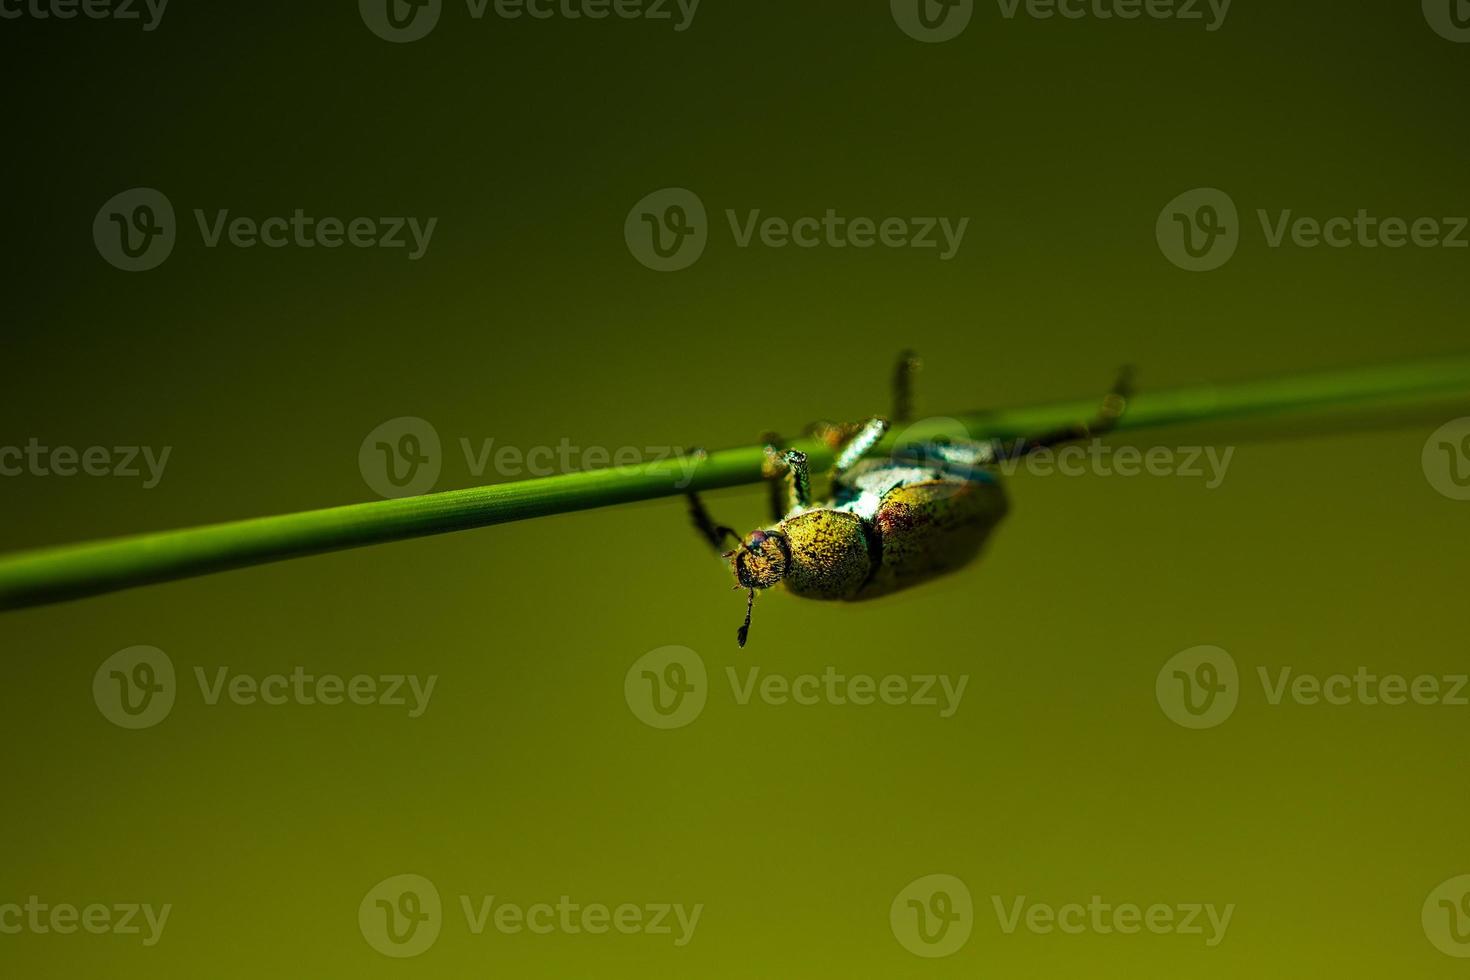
pixel 890 523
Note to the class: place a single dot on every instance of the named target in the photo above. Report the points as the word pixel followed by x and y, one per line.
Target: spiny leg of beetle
pixel 699 516
pixel 903 387
pixel 774 471
pixel 795 481
pixel 857 447
pixel 714 533
pixel 1114 405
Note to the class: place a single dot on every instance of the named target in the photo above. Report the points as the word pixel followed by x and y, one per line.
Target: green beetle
pixel 890 522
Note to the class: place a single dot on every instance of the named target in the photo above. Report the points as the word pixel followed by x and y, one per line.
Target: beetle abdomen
pixel 930 528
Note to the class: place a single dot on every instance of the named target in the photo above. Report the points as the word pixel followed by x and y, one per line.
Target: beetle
pixel 889 523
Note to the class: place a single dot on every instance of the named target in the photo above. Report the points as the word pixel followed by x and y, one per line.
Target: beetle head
pixel 760 562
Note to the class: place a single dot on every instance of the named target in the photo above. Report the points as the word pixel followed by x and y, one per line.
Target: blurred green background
pixel 528 777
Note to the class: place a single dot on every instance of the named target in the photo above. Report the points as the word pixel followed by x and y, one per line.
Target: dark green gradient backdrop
pixel 529 322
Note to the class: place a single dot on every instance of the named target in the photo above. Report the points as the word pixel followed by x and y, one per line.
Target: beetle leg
pixel 774 470
pixel 795 480
pixel 832 434
pixel 903 386
pixel 714 533
pixel 1113 407
pixel 857 447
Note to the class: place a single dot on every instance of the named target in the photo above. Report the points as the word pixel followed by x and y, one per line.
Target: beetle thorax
pixel 829 554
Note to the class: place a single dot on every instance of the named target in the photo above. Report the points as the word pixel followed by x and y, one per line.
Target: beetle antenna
pixel 745 629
